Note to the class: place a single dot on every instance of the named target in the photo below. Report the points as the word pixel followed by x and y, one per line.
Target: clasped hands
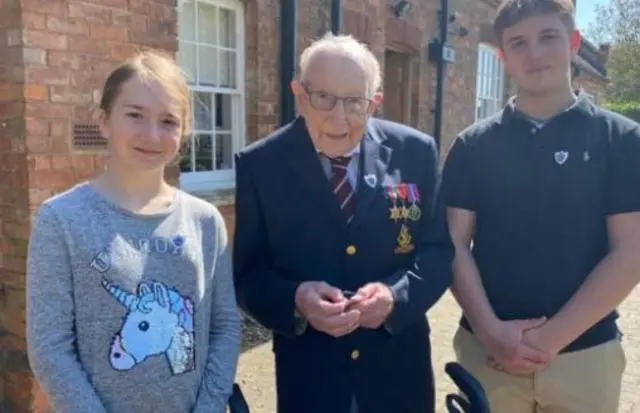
pixel 328 310
pixel 519 346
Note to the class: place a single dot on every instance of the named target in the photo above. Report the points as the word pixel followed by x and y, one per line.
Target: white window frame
pixel 210 181
pixel 490 80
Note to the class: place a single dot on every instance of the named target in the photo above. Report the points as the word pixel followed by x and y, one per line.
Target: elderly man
pixel 341 244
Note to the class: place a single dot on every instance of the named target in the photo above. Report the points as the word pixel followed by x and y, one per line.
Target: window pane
pixel 186 157
pixel 208 66
pixel 202 111
pixel 227 28
pixel 207 24
pixel 187 22
pixel 224 151
pixel 186 57
pixel 228 69
pixel 204 153
pixel 224 111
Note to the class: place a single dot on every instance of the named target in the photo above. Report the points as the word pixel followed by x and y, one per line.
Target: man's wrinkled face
pixel 537 53
pixel 335 102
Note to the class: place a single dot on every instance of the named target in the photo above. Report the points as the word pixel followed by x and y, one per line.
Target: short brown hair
pixel 512 12
pixel 151 66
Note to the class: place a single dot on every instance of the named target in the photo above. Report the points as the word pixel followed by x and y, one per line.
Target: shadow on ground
pixel 253 334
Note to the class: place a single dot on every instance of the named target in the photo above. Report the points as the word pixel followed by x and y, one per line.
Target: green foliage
pixel 618 24
pixel 630 109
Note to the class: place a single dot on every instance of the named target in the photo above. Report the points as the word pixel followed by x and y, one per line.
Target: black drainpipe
pixel 288 38
pixel 443 27
pixel 335 16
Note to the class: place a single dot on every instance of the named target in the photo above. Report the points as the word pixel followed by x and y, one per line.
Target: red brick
pixel 47 75
pixel 39 162
pixel 152 9
pixel 10 17
pixel 59 162
pixel 12 343
pixel 47 110
pixel 118 34
pixel 59 129
pixel 13 279
pixel 44 39
pixel 168 43
pixel 14 298
pixel 117 4
pixel 18 388
pixel 84 162
pixel 36 92
pixel 38 195
pixel 13 321
pixel 52 7
pixel 56 180
pixel 67 26
pixel 67 94
pixel 10 91
pixel 34 21
pixel 90 12
pixel 10 110
pixel 11 72
pixel 88 45
pixel 125 18
pixel 36 126
pixel 121 52
pixel 72 61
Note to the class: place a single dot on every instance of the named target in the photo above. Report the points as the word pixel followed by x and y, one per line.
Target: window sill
pixel 217 191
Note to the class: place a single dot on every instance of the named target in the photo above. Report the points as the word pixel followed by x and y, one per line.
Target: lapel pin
pixel 371 180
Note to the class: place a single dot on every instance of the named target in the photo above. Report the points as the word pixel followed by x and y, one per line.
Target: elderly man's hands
pixel 326 308
pixel 375 302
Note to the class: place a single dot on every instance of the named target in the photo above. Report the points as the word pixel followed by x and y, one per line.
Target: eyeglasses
pixel 325 101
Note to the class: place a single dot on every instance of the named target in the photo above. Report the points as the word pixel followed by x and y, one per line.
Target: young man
pixel 548 190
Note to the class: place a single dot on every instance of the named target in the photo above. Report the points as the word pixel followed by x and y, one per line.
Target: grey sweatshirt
pixel 131 313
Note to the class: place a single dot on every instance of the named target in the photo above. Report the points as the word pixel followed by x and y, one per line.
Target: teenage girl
pixel 130 299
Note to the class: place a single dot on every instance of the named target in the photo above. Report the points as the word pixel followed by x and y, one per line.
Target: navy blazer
pixel 290 229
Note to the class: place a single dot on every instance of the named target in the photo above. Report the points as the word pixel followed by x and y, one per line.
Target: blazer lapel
pixel 306 167
pixel 373 169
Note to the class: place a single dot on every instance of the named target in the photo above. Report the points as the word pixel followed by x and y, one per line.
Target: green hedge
pixel 628 109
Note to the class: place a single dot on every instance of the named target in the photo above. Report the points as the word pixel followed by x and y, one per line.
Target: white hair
pixel 345 46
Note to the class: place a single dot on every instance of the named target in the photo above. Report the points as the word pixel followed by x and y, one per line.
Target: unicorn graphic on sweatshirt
pixel 159 321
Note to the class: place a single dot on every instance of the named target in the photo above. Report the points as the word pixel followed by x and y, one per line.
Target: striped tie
pixel 341 186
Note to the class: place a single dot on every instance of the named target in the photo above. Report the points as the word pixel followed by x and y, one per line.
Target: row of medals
pixel 412 213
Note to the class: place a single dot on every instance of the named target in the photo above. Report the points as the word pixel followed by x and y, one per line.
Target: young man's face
pixel 537 53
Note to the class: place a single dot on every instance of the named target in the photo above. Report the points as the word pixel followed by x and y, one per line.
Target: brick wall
pixel 372 22
pixel 13 194
pixel 595 87
pixel 55 56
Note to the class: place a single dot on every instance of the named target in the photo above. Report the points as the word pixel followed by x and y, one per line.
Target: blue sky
pixel 585 12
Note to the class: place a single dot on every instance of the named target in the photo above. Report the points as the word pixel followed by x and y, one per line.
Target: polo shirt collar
pixel 582 105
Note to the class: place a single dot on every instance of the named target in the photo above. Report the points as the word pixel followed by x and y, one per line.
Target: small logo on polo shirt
pixel 586 156
pixel 561 157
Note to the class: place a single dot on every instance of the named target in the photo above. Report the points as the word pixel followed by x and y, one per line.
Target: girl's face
pixel 144 127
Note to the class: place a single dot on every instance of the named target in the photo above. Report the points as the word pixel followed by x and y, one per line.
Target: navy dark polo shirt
pixel 541 196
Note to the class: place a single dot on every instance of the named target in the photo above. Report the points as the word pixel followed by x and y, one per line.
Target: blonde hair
pixel 345 46
pixel 151 66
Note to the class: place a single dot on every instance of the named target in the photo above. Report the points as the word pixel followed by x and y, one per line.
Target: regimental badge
pixel 404 241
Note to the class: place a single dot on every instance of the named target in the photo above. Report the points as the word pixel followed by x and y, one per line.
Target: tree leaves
pixel 618 23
